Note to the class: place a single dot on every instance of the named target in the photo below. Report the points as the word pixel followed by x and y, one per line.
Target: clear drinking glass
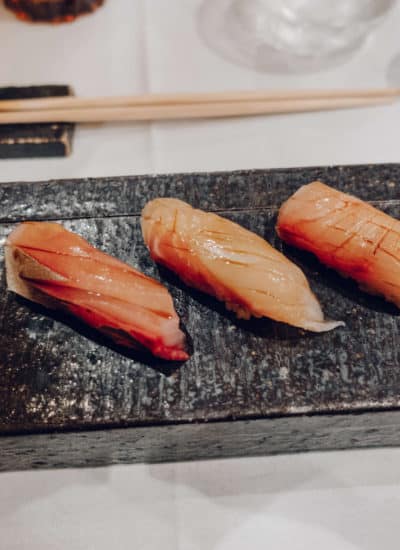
pixel 292 35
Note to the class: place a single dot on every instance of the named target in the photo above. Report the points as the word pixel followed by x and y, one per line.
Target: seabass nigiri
pixel 346 234
pixel 231 263
pixel 56 268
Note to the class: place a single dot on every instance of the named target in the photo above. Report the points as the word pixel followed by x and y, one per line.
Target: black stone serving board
pixel 35 140
pixel 69 399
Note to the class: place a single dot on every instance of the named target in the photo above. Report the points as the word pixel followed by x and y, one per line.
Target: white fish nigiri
pixel 236 266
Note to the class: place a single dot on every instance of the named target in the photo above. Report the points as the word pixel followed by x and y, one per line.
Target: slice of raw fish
pixel 59 269
pixel 231 263
pixel 346 234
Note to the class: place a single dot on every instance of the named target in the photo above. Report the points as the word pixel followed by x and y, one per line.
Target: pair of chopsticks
pixel 187 106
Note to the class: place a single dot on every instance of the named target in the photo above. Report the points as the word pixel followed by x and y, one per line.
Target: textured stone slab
pixel 35 140
pixel 249 387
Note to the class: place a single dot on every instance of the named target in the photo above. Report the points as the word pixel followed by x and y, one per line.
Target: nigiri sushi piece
pixel 236 266
pixel 346 234
pixel 60 270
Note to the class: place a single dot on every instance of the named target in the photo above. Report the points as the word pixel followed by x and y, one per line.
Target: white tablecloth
pixel 337 500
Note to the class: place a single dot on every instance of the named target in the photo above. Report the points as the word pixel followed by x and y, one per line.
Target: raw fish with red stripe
pixel 60 270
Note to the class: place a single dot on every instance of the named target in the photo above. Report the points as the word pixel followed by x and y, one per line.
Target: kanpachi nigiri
pixel 233 264
pixel 60 270
pixel 346 234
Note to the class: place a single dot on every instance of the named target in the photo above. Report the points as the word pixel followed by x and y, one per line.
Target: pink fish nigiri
pixel 347 234
pixel 59 269
pixel 231 263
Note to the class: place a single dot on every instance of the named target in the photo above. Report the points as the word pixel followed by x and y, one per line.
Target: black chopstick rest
pixel 35 140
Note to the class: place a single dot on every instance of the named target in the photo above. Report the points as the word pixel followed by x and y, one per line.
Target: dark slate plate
pixel 250 387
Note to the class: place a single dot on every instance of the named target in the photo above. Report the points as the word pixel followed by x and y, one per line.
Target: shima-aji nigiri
pixel 231 263
pixel 59 269
pixel 346 234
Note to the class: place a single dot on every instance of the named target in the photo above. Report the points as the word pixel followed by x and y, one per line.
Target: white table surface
pixel 336 500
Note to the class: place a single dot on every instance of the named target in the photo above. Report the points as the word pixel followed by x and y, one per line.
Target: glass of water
pixel 289 34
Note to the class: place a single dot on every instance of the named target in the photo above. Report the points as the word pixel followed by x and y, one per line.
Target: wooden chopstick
pixel 71 102
pixel 188 111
